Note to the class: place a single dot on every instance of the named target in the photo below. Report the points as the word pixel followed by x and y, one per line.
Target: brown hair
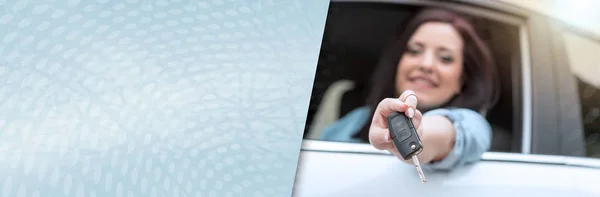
pixel 480 87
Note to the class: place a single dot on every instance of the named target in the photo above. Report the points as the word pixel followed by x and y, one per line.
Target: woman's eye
pixel 413 51
pixel 446 59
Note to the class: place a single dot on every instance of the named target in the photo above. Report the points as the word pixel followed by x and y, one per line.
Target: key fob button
pixel 401 128
pixel 404 136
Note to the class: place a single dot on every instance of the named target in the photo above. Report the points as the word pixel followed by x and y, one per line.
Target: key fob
pixel 404 135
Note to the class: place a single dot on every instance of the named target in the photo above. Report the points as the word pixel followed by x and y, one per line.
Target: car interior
pixel 590 99
pixel 354 36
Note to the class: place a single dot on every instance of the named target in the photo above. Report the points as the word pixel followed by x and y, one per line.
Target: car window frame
pixel 545 125
pixel 552 126
pixel 571 143
pixel 546 134
pixel 564 86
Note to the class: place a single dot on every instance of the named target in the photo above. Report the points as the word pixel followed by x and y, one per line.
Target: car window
pixel 355 34
pixel 584 61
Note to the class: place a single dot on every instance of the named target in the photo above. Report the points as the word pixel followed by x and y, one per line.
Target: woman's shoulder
pixel 347 126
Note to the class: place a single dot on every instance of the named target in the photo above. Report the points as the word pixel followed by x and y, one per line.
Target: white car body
pixel 344 169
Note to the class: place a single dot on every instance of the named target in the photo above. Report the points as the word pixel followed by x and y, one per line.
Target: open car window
pixel 355 34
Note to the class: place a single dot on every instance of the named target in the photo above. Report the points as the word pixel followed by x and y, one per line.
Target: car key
pixel 405 139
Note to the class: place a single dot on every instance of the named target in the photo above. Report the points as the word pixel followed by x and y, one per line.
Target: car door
pixel 546 157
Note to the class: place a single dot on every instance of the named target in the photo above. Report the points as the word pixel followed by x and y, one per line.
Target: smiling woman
pixel 432 43
pixel 439 58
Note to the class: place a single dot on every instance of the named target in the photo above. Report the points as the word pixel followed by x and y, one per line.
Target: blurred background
pixel 583 14
pixel 584 56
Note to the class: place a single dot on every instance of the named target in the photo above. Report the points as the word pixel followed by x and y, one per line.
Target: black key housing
pixel 404 135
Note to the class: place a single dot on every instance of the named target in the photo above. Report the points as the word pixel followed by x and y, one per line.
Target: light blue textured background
pixel 154 98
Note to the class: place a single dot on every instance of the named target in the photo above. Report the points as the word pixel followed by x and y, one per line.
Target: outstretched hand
pixel 379 134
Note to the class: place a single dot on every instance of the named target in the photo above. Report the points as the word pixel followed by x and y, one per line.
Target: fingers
pixel 397 154
pixel 410 98
pixel 380 138
pixel 406 103
pixel 390 105
pixel 379 135
pixel 385 108
pixel 420 131
pixel 416 120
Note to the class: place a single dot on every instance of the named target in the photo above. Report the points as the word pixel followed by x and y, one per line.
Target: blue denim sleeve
pixel 343 129
pixel 473 138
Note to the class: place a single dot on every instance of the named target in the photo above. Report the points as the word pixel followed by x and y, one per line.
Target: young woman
pixel 438 66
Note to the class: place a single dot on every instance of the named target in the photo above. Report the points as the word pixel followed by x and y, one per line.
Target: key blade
pixel 419 170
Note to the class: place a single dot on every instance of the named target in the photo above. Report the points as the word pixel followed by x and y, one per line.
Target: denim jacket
pixel 473 134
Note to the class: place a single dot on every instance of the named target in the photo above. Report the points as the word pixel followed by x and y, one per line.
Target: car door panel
pixel 339 173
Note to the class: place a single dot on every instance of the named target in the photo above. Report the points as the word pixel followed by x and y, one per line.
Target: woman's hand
pixel 437 139
pixel 379 134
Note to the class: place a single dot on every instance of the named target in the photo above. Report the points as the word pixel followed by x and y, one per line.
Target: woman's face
pixel 432 64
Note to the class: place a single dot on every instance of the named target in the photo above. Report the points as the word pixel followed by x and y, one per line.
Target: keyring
pixel 413 94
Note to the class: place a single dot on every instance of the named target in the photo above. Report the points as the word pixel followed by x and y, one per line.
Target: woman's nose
pixel 428 61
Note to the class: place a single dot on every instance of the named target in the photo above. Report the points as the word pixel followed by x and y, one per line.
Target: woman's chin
pixel 421 93
pixel 424 101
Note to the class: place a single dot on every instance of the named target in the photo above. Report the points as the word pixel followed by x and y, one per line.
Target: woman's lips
pixel 423 83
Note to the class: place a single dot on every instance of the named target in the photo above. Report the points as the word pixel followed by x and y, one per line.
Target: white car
pixel 546 126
